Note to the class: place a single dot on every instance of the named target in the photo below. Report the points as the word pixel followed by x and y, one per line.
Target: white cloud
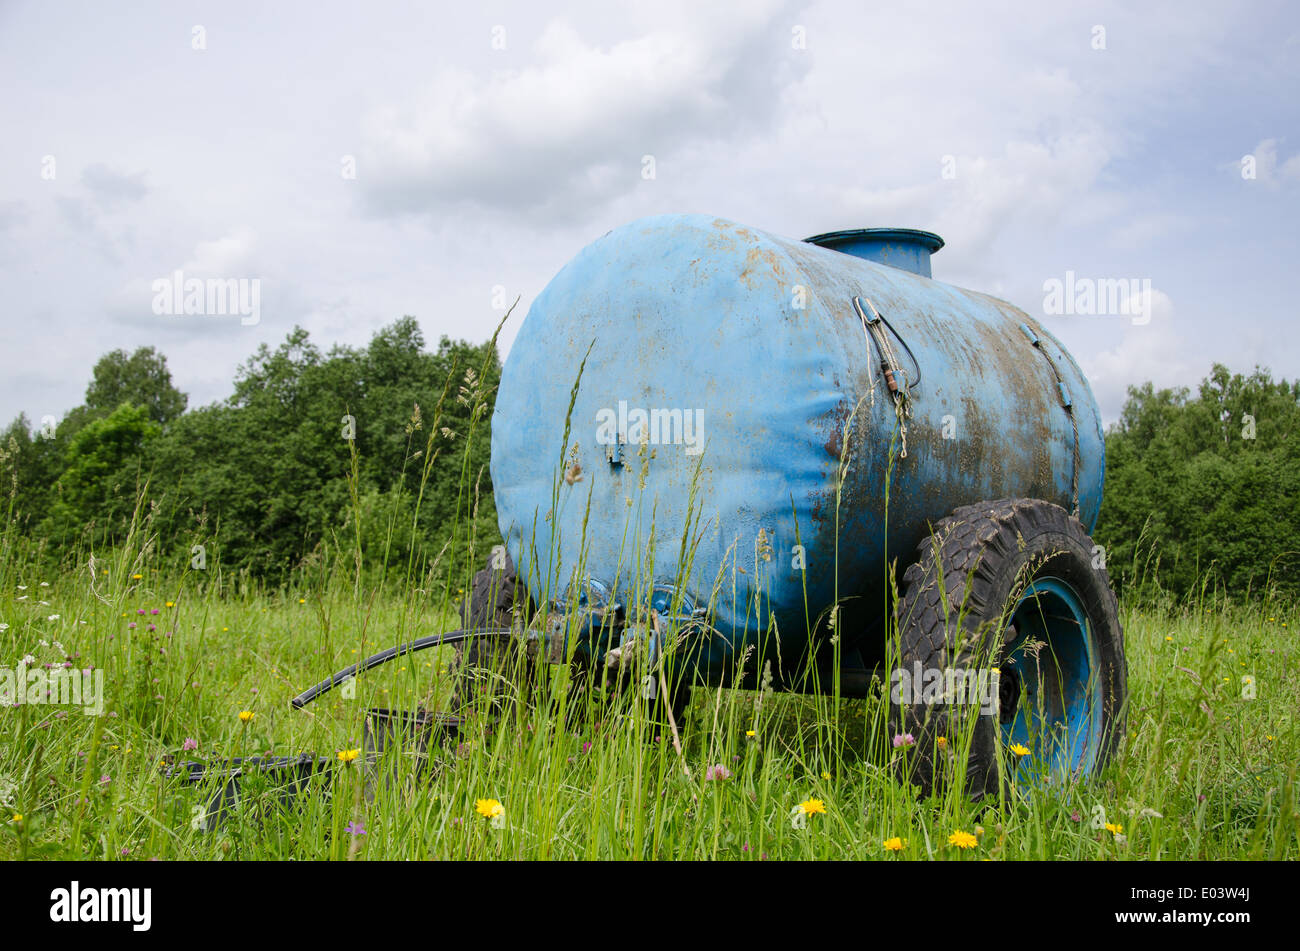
pixel 229 256
pixel 1159 351
pixel 553 139
pixel 1267 170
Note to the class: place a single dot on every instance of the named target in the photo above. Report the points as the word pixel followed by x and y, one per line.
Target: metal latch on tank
pixel 874 327
pixel 614 451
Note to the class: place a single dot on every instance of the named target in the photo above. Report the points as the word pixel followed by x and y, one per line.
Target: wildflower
pixel 171 604
pixel 18 817
pixel 751 733
pixel 800 813
pixel 895 844
pixel 1075 817
pixel 302 600
pixel 347 756
pixel 52 617
pixel 355 828
pixel 492 810
pixel 979 831
pixel 1114 828
pixel 903 740
pixel 718 772
pixel 941 742
pixel 963 840
pixel 826 775
pixel 139 610
pixel 246 716
pixel 1019 749
pixel 189 744
pixel 1168 637
pixel 586 747
pixel 136 577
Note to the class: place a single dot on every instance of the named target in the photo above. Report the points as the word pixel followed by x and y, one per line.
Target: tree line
pixel 313 449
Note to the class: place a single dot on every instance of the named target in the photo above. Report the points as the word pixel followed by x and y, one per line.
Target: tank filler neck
pixel 903 248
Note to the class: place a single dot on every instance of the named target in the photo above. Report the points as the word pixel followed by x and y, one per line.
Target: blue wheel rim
pixel 1054 690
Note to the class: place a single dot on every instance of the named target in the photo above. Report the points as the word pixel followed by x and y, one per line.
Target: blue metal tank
pixel 731 377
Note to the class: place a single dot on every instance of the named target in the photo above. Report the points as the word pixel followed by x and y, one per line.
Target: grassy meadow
pixel 1207 769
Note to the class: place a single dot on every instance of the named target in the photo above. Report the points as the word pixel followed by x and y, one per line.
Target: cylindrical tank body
pixel 723 366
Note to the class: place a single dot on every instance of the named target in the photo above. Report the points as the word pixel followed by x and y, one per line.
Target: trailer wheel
pixel 494 599
pixel 1008 640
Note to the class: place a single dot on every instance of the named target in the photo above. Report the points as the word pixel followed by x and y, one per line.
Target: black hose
pixel 384 656
pixel 916 363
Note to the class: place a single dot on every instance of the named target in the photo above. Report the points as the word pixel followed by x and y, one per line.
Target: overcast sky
pixel 490 141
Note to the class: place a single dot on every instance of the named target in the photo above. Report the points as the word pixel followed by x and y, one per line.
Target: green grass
pixel 1203 772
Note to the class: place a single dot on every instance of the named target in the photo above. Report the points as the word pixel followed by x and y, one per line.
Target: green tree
pixel 102 468
pixel 141 379
pixel 1206 487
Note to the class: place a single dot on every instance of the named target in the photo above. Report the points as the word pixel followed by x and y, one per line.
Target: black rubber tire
pixel 494 599
pixel 491 599
pixel 955 602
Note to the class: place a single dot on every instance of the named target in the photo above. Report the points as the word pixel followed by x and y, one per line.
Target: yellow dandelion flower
pixel 1115 828
pixel 963 840
pixel 171 604
pixel 347 756
pixel 1168 637
pixel 894 845
pixel 941 742
pixel 826 776
pixel 246 716
pixel 18 817
pixel 751 733
pixel 136 577
pixel 492 811
pixel 812 807
pixel 302 600
pixel 1019 749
